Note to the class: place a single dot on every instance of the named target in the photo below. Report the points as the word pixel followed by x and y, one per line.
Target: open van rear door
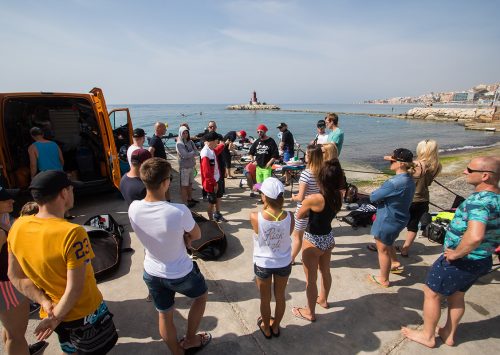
pixel 107 136
pixel 120 119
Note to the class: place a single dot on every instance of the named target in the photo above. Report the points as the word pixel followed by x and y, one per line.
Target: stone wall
pixel 452 114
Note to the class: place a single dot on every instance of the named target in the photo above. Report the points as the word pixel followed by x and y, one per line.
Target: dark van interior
pixel 71 123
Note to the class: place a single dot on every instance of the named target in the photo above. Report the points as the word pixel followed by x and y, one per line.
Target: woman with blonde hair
pixel 330 151
pixel 427 167
pixel 307 186
pixel 393 201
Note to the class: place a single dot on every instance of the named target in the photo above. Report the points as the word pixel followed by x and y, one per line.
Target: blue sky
pixel 220 51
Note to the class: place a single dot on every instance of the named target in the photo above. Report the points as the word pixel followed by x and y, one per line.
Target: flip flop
pixel 277 334
pixel 297 313
pixel 205 338
pixel 259 322
pixel 371 247
pixel 327 305
pixel 373 279
pixel 398 270
pixel 400 250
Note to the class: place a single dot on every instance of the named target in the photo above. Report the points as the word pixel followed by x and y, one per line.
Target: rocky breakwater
pixel 472 118
pixel 253 107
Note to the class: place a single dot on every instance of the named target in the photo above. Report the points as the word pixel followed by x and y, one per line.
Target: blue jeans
pixel 163 290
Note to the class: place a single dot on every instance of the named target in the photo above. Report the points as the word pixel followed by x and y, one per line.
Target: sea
pixel 367 139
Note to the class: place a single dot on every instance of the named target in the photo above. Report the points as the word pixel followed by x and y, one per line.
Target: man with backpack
pixel 49 262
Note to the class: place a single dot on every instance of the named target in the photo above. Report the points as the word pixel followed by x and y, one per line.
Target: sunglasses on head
pixel 470 171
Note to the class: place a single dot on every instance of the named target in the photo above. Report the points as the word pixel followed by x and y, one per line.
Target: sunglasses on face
pixel 261 132
pixel 470 171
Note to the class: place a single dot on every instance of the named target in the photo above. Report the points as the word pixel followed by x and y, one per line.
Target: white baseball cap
pixel 272 187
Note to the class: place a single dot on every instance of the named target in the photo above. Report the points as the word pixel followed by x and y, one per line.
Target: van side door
pixel 121 124
pixel 107 136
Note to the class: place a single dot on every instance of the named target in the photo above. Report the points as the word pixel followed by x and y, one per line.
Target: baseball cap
pixel 140 155
pixel 282 124
pixel 272 187
pixel 401 154
pixel 138 133
pixel 8 194
pixel 243 133
pixel 321 123
pixel 262 127
pixel 52 181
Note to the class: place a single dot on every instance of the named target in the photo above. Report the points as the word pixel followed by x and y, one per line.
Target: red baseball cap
pixel 243 133
pixel 262 127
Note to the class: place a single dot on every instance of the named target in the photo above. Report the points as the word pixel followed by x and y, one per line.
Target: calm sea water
pixel 367 139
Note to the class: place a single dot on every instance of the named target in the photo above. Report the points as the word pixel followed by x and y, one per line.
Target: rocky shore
pixel 484 119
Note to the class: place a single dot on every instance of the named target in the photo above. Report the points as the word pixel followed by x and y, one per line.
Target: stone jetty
pixel 253 104
pixel 253 107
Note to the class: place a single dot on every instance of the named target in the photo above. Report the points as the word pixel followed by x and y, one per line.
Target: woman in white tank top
pixel 272 254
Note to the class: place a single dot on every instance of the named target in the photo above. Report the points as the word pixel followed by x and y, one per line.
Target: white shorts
pixel 187 176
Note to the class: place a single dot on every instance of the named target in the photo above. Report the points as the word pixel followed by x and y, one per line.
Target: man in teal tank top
pixel 44 154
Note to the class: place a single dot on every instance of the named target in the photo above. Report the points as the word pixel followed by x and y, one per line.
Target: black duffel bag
pixel 436 230
pixel 212 244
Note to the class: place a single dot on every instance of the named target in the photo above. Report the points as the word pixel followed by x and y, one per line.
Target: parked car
pixel 90 138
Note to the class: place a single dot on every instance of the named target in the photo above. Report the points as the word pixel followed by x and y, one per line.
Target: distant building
pixel 446 97
pixel 460 97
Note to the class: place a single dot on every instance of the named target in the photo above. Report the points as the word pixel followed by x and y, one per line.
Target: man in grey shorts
pixel 167 266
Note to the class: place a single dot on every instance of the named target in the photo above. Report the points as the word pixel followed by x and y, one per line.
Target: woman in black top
pixel 318 238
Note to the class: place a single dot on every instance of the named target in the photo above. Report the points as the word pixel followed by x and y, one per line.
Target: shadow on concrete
pixel 473 331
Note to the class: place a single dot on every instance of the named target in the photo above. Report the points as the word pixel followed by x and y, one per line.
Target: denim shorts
pixel 265 273
pixel 447 278
pixel 163 290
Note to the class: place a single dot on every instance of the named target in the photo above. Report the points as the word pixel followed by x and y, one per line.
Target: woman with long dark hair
pixel 318 238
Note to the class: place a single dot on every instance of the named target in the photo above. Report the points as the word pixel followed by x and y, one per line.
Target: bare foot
pixel 418 336
pixel 322 303
pixel 445 336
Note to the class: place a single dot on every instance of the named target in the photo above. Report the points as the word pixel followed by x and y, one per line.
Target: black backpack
pixel 105 235
pixel 212 244
pixel 351 194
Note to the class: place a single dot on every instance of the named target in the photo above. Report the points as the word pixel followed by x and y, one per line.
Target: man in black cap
pixel 287 146
pixel 138 136
pixel 131 185
pixel 54 270
pixel 321 135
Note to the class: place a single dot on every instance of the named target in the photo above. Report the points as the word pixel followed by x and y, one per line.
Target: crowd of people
pixel 46 259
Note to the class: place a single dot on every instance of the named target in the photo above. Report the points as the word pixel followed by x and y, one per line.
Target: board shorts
pixel 262 174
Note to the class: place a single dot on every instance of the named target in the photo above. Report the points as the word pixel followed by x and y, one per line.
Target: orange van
pixel 92 140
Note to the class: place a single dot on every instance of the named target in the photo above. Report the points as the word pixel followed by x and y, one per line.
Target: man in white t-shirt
pixel 321 136
pixel 165 229
pixel 138 137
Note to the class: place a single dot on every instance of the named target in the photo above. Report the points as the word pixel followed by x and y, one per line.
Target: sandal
pixel 371 247
pixel 297 313
pixel 259 323
pixel 374 279
pixel 205 338
pixel 398 270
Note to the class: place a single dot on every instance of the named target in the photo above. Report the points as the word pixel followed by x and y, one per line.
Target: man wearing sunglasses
pixel 471 239
pixel 264 152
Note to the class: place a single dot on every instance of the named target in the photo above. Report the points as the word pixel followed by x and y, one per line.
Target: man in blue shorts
pixel 471 239
pixel 165 230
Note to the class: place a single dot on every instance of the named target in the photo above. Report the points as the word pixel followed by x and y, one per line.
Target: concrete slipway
pixel 362 318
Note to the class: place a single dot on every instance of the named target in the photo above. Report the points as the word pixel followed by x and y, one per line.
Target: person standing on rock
pixel 337 134
pixel 471 239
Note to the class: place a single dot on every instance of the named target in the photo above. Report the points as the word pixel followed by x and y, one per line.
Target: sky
pixel 217 51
